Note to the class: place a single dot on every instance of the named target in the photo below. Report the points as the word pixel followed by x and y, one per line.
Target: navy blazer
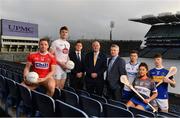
pixel 113 75
pixel 99 68
pixel 79 65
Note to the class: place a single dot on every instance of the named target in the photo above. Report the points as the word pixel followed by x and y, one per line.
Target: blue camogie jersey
pixel 158 74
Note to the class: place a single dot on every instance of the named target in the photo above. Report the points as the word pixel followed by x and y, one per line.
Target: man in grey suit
pixel 116 68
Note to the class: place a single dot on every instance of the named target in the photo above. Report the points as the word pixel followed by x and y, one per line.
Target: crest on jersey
pixel 65 50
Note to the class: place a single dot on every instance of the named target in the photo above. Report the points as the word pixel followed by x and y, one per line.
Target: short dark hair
pixel 64 28
pixel 78 41
pixel 45 39
pixel 158 55
pixel 144 65
pixel 134 51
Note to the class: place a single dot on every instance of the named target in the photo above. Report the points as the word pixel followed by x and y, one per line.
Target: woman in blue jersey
pixel 145 86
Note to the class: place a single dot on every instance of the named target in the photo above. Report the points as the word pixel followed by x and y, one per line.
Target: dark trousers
pixel 95 87
pixel 115 94
pixel 76 83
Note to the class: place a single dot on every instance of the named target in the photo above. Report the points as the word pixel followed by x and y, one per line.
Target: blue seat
pixel 70 89
pixel 117 103
pixel 141 112
pixel 13 98
pixel 27 103
pixel 57 94
pixel 3 72
pixel 99 98
pixel 65 110
pixel 142 116
pixel 70 98
pixel 168 114
pixel 90 106
pixel 3 89
pixel 44 104
pixel 115 111
pixel 82 92
pixel 9 74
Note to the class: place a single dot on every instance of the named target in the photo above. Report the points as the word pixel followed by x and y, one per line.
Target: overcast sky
pixel 87 18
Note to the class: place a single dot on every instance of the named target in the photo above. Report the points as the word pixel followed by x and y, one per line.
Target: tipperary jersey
pixel 41 63
pixel 132 70
pixel 158 74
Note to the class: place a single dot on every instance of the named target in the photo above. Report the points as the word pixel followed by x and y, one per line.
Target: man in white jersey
pixel 60 48
pixel 132 70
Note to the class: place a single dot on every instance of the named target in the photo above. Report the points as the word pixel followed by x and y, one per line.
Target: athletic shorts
pixel 127 95
pixel 163 104
pixel 60 74
pixel 137 101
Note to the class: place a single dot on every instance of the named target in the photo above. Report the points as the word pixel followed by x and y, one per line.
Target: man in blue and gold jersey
pixel 157 74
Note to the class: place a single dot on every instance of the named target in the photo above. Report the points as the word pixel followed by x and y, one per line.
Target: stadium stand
pixel 164 33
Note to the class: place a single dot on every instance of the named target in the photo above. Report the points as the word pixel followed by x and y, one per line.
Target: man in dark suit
pixel 116 68
pixel 77 74
pixel 95 67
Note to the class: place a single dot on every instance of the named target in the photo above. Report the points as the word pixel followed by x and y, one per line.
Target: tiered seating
pixel 173 53
pixel 155 51
pixel 65 103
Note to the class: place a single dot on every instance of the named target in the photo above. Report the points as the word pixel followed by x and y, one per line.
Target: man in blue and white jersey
pixel 157 74
pixel 132 70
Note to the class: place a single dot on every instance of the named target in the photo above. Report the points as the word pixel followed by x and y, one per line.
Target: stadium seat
pixel 70 98
pixel 9 74
pixel 115 111
pixel 3 89
pixel 117 103
pixel 45 104
pixel 99 98
pixel 17 77
pixel 70 89
pixel 3 72
pixel 27 103
pixel 57 94
pixel 168 114
pixel 91 106
pixel 65 110
pixel 13 98
pixel 141 112
pixel 82 92
pixel 142 116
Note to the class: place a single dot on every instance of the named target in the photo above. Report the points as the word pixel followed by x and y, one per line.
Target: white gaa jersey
pixel 132 71
pixel 61 49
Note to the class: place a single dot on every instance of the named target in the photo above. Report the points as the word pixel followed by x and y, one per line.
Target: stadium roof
pixel 162 18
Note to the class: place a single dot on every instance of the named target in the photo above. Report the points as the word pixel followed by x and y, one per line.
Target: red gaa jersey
pixel 41 63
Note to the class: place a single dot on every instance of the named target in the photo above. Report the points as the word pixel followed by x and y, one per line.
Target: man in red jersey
pixel 43 63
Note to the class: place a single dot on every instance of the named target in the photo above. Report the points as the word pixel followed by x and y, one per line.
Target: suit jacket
pixel 99 68
pixel 79 65
pixel 113 75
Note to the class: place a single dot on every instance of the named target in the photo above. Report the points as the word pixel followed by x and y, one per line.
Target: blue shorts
pixel 127 95
pixel 137 101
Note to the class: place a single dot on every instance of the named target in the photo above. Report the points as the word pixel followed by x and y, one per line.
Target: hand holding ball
pixel 70 65
pixel 32 77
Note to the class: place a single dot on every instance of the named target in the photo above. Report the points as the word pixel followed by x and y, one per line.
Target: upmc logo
pixel 18 28
pixel 41 65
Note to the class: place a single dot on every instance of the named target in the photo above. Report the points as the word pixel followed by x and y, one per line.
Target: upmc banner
pixel 16 28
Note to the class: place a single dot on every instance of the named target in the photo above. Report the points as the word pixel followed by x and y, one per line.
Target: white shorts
pixel 163 104
pixel 60 73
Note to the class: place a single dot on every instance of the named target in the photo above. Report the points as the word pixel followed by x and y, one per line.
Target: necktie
pixel 95 58
pixel 110 64
pixel 78 56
